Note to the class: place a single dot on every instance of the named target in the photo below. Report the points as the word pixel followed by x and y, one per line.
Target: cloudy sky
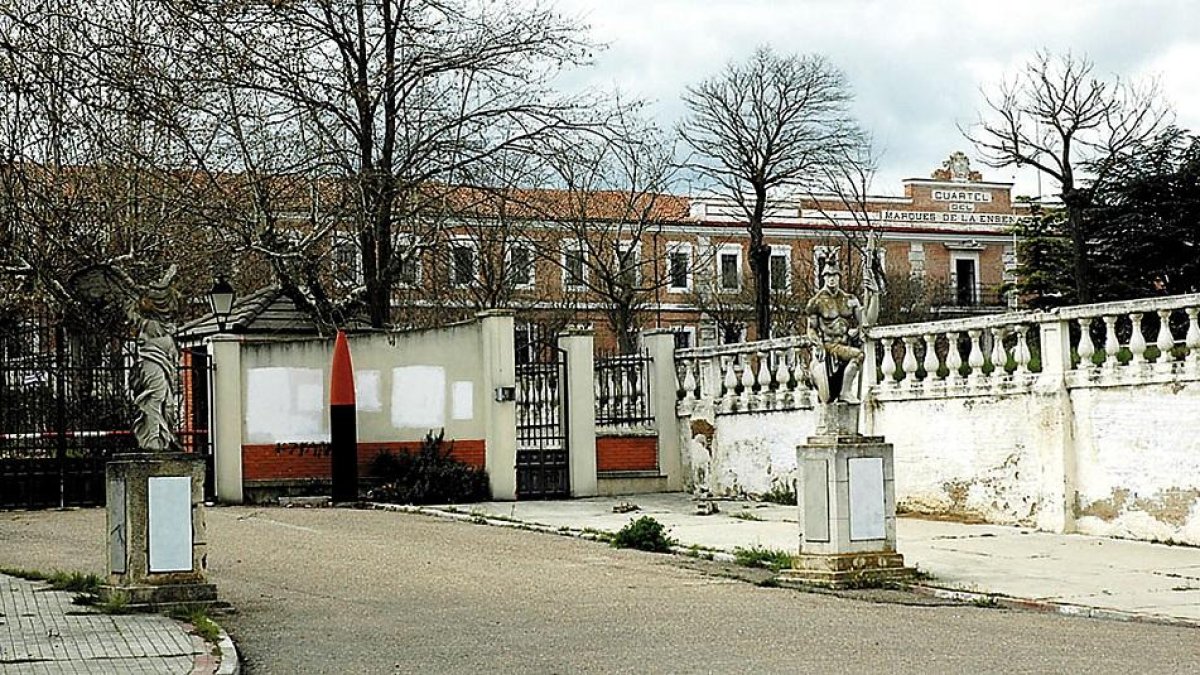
pixel 916 66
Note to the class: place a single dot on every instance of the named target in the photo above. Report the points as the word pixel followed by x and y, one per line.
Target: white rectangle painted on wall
pixel 866 498
pixel 286 405
pixel 462 400
pixel 366 391
pixel 418 397
pixel 170 505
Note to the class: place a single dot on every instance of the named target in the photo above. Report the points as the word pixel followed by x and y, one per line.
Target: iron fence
pixel 65 409
pixel 622 384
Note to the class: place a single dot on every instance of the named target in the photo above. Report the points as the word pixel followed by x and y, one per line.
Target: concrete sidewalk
pixel 41 631
pixel 1073 574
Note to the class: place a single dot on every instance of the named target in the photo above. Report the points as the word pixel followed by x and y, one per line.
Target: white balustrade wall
pixel 1083 418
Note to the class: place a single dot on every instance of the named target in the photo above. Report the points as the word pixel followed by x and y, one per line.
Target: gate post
pixel 580 410
pixel 500 418
pixel 225 431
pixel 660 343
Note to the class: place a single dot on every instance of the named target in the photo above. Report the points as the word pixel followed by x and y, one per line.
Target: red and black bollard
pixel 343 426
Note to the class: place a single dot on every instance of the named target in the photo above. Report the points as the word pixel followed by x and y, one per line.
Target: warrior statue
pixel 836 319
pixel 155 381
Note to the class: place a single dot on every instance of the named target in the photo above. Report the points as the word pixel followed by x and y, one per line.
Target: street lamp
pixel 220 298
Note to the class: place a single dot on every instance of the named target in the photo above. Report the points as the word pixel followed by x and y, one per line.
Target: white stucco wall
pixel 1117 460
pixel 1138 461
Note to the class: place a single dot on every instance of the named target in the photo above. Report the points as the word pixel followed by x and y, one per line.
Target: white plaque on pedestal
pixel 170 502
pixel 866 498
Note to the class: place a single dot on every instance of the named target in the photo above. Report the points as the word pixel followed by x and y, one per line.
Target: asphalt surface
pixel 342 591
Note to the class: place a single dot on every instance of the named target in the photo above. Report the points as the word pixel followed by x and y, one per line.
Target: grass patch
pixel 780 493
pixel 766 558
pixel 27 575
pixel 116 603
pixel 201 624
pixel 644 534
pixel 745 515
pixel 76 582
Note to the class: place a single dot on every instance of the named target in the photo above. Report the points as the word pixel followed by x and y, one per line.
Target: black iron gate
pixel 65 410
pixel 543 469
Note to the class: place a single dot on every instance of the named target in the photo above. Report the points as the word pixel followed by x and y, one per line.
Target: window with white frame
pixel 574 269
pixel 627 263
pixel 781 268
pixel 679 267
pixel 685 337
pixel 520 265
pixel 824 256
pixel 347 264
pixel 410 268
pixel 729 268
pixel 462 263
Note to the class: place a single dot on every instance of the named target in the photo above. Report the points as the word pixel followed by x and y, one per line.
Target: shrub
pixel 428 476
pixel 780 493
pixel 644 534
pixel 772 559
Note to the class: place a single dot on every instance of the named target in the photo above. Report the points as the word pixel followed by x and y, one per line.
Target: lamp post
pixel 220 299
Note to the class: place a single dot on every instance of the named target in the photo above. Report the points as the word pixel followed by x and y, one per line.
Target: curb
pixel 968 597
pixel 1050 607
pixel 207 663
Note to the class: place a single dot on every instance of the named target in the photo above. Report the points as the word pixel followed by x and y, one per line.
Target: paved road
pixel 337 591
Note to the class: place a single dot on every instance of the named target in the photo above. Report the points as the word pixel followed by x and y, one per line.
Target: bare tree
pixel 1057 117
pixel 761 129
pixel 616 198
pixel 358 117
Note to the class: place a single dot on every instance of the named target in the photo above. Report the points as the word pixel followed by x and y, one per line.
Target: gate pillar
pixel 580 404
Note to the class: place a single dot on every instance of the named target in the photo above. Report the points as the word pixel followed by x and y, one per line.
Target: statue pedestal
pixel 157 543
pixel 846 495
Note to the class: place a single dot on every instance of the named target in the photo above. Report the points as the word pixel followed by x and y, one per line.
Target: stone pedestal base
pixel 846 497
pixel 850 570
pixel 157 543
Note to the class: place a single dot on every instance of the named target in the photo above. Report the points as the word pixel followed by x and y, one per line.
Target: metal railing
pixel 622 384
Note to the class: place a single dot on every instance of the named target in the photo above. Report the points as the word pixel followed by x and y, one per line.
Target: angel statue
pixel 836 319
pixel 150 310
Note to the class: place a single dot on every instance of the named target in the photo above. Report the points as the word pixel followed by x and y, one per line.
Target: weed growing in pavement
pixel 745 515
pixel 644 534
pixel 21 573
pixel 767 558
pixel 598 535
pixel 116 603
pixel 985 601
pixel 201 624
pixel 77 582
pixel 780 493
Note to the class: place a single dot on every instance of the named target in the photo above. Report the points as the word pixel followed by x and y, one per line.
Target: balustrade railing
pixel 751 376
pixel 1152 339
pixel 623 390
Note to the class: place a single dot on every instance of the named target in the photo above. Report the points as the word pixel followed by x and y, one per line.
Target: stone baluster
pixel 975 357
pixel 910 361
pixel 1111 346
pixel 1021 352
pixel 1193 340
pixel 729 390
pixel 1165 343
pixel 999 357
pixel 765 395
pixel 930 362
pixel 1086 349
pixel 888 366
pixel 783 380
pixel 1137 341
pixel 689 379
pixel 748 398
pixel 953 359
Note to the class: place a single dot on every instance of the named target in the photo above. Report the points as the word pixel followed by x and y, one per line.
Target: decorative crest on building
pixel 957 168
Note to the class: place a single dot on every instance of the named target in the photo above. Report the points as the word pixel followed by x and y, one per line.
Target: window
pixel 574 271
pixel 462 263
pixel 729 269
pixel 346 264
pixel 520 266
pixel 410 268
pixel 679 268
pixel 685 337
pixel 823 256
pixel 627 263
pixel 781 268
